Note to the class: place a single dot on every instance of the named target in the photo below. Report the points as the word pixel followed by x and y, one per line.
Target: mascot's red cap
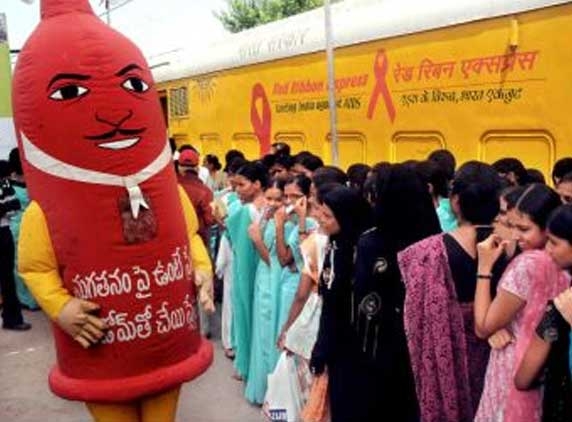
pixel 52 8
pixel 83 93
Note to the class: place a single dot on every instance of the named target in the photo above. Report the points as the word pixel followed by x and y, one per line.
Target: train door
pixel 351 148
pixel 414 145
pixel 296 140
pixel 211 144
pixel 536 149
pixel 181 139
pixel 247 142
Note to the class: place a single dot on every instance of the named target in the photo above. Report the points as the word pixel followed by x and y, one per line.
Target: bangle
pixel 485 276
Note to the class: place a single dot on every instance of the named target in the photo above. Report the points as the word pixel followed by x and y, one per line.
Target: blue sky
pixel 154 25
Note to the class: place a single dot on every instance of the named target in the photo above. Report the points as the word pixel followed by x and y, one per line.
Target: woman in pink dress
pixel 529 282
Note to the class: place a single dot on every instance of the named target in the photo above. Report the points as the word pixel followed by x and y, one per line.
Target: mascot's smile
pixel 120 144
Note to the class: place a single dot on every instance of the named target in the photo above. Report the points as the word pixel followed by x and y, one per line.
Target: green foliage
pixel 244 14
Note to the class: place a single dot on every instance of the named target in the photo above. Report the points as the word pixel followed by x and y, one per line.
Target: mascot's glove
pixel 76 318
pixel 204 283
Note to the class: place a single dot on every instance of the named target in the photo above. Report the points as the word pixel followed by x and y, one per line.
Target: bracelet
pixel 485 276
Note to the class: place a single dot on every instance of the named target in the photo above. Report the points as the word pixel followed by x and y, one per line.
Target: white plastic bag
pixel 301 336
pixel 283 401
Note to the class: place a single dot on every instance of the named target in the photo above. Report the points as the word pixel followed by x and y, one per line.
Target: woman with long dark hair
pixel 436 179
pixel 292 226
pixel 447 359
pixel 250 181
pixel 344 216
pixel 265 301
pixel 404 214
pixel 531 279
pixel 549 350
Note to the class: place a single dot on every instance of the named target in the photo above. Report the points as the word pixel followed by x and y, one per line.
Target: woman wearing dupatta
pixel 299 327
pixel 447 359
pixel 404 215
pixel 309 255
pixel 250 180
pixel 289 230
pixel 226 203
pixel 313 249
pixel 529 282
pixel 345 215
pixel 264 308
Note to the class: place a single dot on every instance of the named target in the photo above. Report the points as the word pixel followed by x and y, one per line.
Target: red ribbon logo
pixel 380 71
pixel 261 124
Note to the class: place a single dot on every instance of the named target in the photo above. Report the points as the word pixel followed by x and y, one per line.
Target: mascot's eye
pixel 135 84
pixel 68 92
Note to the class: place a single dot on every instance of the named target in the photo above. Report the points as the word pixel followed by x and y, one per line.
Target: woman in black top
pixel 475 200
pixel 344 216
pixel 404 215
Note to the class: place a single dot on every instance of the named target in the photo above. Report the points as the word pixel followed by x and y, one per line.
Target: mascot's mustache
pixel 112 133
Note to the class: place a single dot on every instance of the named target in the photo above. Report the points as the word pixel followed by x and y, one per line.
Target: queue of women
pixel 402 292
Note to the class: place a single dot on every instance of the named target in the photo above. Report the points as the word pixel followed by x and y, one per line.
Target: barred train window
pixel 178 102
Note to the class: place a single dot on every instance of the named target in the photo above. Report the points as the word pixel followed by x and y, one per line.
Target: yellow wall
pixel 5 72
pixel 530 121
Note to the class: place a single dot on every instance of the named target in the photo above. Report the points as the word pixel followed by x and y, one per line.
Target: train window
pixel 246 142
pixel 351 148
pixel 414 145
pixel 180 139
pixel 178 102
pixel 535 148
pixel 210 143
pixel 296 140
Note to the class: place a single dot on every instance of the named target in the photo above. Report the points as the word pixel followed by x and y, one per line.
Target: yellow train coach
pixel 485 79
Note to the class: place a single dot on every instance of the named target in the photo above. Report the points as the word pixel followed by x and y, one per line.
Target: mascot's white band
pixel 48 164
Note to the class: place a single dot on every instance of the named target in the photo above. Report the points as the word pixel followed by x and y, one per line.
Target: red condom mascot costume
pixel 108 246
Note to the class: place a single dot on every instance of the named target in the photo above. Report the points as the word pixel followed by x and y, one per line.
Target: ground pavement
pixel 26 357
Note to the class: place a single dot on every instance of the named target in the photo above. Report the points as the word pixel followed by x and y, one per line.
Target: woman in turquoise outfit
pixel 292 225
pixel 266 289
pixel 250 181
pixel 226 202
pixel 21 191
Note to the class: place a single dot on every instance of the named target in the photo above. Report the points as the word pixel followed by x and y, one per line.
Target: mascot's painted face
pixel 83 93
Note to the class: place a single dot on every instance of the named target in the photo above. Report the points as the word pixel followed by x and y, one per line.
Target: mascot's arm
pixel 39 268
pixel 199 255
pixel 37 262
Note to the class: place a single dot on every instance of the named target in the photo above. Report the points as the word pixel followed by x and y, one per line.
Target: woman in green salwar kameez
pixel 291 228
pixel 250 181
pixel 266 289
